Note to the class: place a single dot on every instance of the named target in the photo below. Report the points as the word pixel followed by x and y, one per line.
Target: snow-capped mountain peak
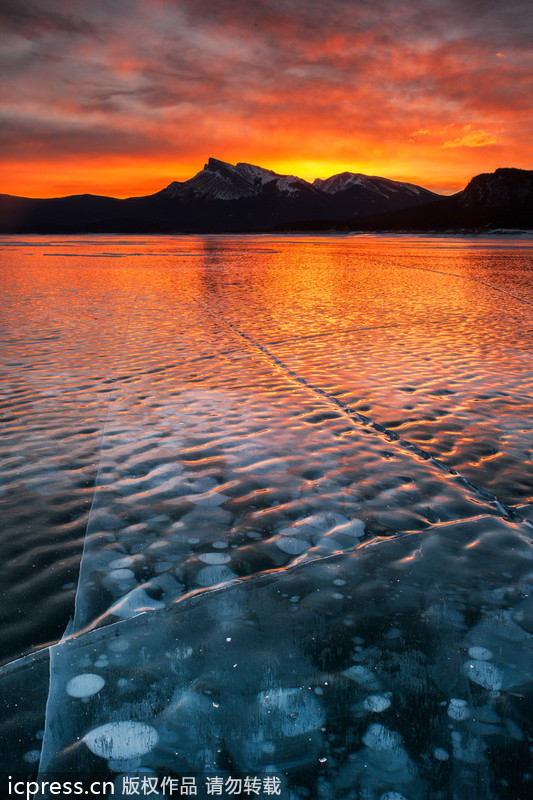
pixel 258 175
pixel 337 183
pixel 219 180
pixel 252 191
pixel 347 180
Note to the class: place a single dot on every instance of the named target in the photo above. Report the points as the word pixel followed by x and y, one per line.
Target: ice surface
pixel 264 575
pixel 281 703
pixel 278 703
pixel 135 602
pixel 292 545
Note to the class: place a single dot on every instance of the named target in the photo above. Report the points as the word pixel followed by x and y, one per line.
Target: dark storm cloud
pixel 64 139
pixel 33 19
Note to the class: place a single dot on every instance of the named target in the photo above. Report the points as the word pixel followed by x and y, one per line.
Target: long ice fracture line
pixel 367 422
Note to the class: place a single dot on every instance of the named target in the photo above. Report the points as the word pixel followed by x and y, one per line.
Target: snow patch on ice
pixel 480 653
pixel 290 711
pixel 214 558
pixel 376 702
pixel 121 740
pixel 214 574
pixel 484 673
pixel 392 796
pixel 378 737
pixel 122 574
pixel 363 676
pixel 85 685
pixel 32 756
pixel 458 709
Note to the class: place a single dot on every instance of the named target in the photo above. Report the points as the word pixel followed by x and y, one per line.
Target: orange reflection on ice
pixel 472 544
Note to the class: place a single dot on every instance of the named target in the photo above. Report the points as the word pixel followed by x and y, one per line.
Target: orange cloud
pixel 471 138
pixel 125 97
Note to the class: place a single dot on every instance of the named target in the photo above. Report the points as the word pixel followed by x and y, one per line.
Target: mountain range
pixel 245 198
pixel 498 200
pixel 221 197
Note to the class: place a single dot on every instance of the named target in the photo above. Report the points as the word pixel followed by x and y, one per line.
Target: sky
pixel 121 97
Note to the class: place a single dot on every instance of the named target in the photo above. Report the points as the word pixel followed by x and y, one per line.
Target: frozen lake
pixel 270 498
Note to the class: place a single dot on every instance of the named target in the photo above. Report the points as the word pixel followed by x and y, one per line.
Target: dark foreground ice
pixel 405 666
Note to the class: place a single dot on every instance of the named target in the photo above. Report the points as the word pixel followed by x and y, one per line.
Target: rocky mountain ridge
pixel 500 200
pixel 221 197
pixel 241 198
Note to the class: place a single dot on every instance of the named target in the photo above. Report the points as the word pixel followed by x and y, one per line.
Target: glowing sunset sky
pixel 121 97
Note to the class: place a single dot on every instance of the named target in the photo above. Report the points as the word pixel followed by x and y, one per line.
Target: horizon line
pixel 258 166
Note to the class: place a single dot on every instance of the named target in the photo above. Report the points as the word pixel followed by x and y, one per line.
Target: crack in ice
pixel 356 417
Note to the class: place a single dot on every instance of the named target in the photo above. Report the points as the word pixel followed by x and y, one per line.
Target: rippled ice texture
pixel 273 496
